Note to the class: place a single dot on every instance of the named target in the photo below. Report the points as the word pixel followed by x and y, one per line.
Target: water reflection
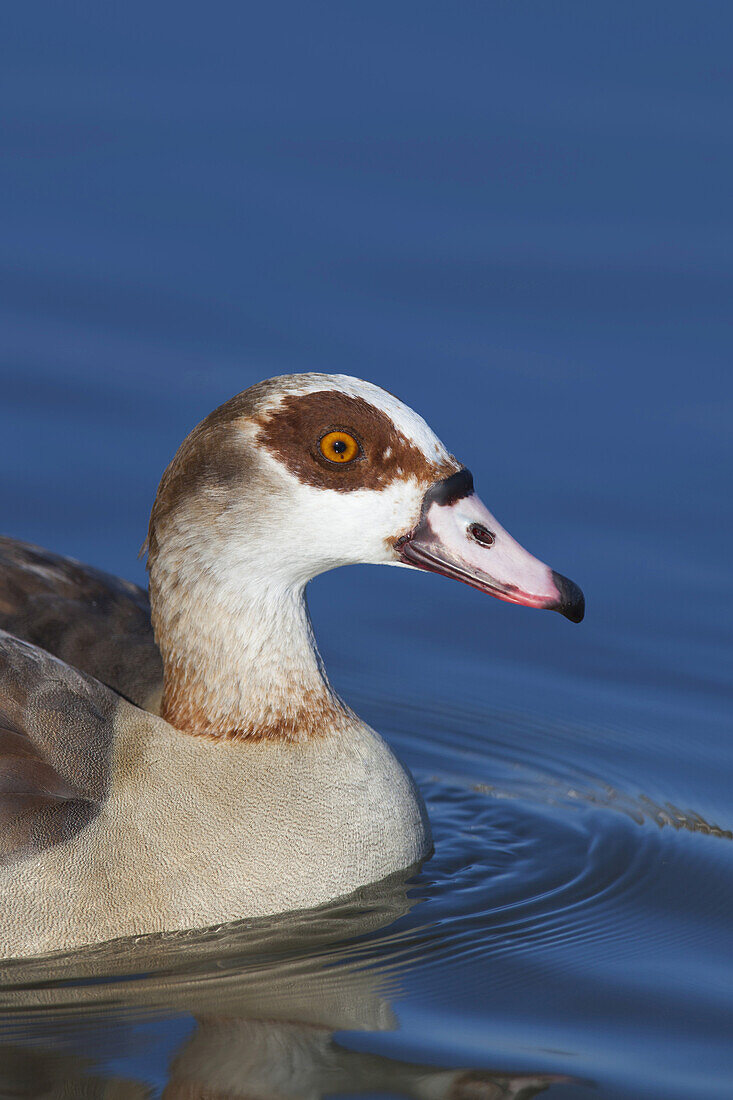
pixel 264 1000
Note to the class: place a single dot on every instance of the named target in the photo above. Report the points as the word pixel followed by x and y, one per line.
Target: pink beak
pixel 457 536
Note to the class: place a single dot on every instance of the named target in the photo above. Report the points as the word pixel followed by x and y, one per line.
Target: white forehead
pixel 405 419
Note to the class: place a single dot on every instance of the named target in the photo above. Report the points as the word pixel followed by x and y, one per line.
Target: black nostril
pixel 481 534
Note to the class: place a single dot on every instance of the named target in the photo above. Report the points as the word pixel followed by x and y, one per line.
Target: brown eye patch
pixel 295 430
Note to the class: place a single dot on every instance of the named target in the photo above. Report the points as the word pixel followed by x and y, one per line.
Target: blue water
pixel 518 218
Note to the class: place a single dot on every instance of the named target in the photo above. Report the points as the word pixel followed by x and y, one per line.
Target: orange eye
pixel 339 447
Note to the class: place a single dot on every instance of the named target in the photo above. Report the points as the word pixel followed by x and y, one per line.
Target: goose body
pixel 195 766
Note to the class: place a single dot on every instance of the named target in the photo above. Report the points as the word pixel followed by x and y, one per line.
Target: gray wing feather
pixel 90 619
pixel 56 732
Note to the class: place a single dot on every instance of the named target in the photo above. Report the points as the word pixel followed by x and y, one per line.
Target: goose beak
pixel 458 537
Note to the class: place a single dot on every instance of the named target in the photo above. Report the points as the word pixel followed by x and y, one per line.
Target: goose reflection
pixel 265 999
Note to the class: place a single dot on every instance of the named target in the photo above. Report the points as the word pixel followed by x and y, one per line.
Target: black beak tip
pixel 572 601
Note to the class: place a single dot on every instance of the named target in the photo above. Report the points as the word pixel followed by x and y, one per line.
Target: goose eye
pixel 339 447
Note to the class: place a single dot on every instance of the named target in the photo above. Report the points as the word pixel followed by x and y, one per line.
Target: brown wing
pixel 90 619
pixel 56 729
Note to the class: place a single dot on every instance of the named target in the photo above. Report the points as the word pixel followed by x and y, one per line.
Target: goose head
pixel 299 475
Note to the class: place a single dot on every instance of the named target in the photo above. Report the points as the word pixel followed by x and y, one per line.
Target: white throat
pixel 239 655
